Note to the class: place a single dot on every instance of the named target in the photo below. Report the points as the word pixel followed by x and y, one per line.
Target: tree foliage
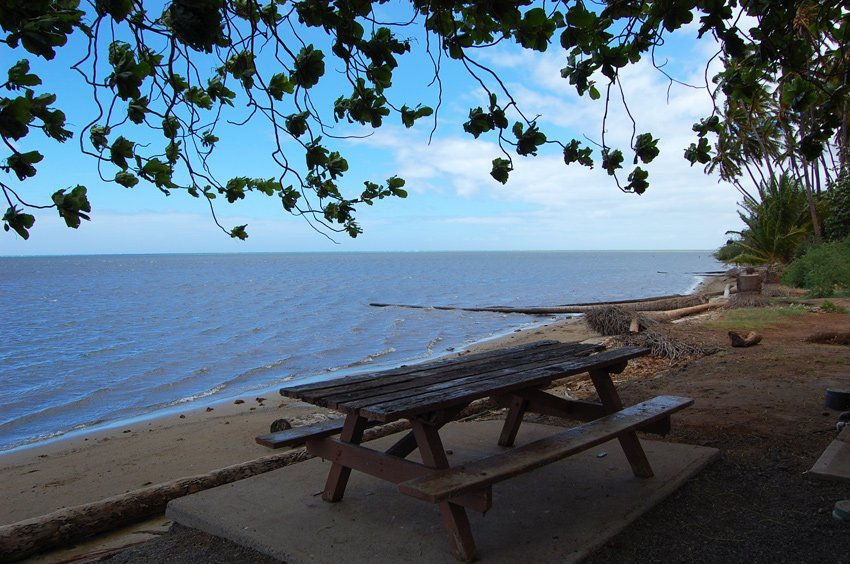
pixel 163 77
pixel 776 225
pixel 822 269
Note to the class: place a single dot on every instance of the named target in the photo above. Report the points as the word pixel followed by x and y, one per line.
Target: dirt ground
pixel 761 406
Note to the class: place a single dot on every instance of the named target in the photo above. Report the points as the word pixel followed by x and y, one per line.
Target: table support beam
pixel 628 441
pixel 516 409
pixel 352 432
pixel 455 519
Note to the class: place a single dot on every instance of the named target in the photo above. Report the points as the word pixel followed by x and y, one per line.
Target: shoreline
pixel 91 465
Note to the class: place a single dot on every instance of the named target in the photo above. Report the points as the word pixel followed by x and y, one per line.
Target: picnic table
pixel 431 395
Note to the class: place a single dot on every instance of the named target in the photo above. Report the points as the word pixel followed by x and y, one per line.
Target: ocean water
pixel 96 340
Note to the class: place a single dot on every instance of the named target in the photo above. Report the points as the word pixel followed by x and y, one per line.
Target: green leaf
pixel 501 170
pixel 19 75
pixel 21 223
pixel 574 152
pixel 698 152
pixel 309 67
pixel 612 160
pixel 637 181
pixel 646 148
pixel 529 140
pixel 170 127
pixel 159 173
pixel 296 124
pixel 98 138
pixel 280 85
pixel 118 9
pixel 126 179
pixel 22 164
pixel 15 116
pixel 72 207
pixel 208 139
pixel 239 232
pixel 120 151
pixel 137 108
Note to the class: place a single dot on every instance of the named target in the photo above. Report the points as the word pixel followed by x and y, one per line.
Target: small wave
pixel 194 397
pixel 433 342
pixel 368 359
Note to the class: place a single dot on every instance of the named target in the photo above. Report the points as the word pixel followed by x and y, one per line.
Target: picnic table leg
pixel 407 443
pixel 516 410
pixel 628 441
pixel 352 432
pixel 455 519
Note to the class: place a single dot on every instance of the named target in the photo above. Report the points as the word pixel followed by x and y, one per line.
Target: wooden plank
pixel 446 394
pixel 299 435
pixel 416 382
pixel 415 376
pixel 578 410
pixel 406 368
pixel 487 471
pixel 387 467
pixel 546 404
pixel 352 432
pixel 628 441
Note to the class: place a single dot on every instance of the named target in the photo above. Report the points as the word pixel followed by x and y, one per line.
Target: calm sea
pixel 88 341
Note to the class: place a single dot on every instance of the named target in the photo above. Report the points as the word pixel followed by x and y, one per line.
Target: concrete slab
pixel 559 513
pixel 834 463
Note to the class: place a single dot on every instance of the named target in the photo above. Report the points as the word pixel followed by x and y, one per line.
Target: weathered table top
pixel 422 388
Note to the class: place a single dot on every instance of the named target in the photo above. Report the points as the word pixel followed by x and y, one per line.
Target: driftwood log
pixel 660 303
pixel 673 314
pixel 748 340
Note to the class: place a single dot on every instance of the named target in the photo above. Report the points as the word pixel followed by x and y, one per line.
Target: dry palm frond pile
pixel 619 322
pixel 614 320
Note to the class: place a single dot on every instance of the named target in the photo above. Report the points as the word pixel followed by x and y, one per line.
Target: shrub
pixel 822 269
pixel 836 224
pixel 831 307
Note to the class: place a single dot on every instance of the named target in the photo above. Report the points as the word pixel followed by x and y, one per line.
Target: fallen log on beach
pixel 660 303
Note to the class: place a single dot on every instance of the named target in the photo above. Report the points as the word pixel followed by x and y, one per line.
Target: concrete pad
pixel 834 463
pixel 558 513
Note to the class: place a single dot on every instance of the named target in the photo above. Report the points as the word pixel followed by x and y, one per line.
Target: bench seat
pixel 444 485
pixel 299 435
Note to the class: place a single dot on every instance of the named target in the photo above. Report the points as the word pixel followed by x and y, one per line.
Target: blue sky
pixel 453 203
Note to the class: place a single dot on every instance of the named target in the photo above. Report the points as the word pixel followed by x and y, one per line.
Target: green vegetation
pixel 831 307
pixel 776 225
pixel 163 79
pixel 756 318
pixel 822 269
pixel 837 222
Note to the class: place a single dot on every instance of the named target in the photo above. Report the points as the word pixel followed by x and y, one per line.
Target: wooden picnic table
pixel 430 395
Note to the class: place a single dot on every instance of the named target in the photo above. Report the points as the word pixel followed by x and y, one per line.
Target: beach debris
pixel 280 425
pixel 210 409
pixel 829 338
pixel 239 402
pixel 260 400
pixel 619 322
pixel 659 303
pixel 615 320
pixel 748 340
pixel 182 416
